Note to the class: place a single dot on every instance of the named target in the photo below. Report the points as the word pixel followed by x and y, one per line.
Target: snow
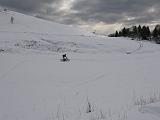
pixel 109 73
pixel 150 112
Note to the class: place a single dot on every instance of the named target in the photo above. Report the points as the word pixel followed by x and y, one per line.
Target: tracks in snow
pixel 140 46
pixel 40 36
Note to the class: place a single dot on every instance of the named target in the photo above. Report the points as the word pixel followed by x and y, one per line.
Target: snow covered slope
pixel 106 78
pixel 27 30
pixel 25 23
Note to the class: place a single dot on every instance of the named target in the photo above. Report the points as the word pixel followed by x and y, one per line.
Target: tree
pixel 128 33
pixel 116 34
pixel 158 29
pixel 135 31
pixel 144 33
pixel 139 32
pixel 120 33
pixel 148 32
pixel 155 33
pixel 124 32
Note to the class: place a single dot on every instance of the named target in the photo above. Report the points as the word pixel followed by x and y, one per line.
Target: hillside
pixel 105 79
pixel 25 23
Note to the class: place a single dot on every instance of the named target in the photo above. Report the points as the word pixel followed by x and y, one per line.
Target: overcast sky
pixel 107 15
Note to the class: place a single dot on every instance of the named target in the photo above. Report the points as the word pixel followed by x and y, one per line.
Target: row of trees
pixel 140 32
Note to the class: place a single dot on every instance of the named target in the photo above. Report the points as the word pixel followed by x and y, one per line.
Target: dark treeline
pixel 140 33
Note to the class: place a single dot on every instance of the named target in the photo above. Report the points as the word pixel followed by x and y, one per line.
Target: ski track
pixel 140 46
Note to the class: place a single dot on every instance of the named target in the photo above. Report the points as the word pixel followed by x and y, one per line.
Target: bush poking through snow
pixel 1 50
pixel 153 98
pixel 93 112
pixel 60 113
pixel 88 109
pixel 97 115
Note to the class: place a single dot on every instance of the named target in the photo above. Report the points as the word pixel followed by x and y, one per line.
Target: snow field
pixel 107 74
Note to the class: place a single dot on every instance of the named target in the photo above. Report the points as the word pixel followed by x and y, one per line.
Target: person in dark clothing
pixel 12 20
pixel 65 57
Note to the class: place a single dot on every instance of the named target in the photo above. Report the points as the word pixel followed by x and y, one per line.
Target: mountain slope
pixel 25 23
pixel 103 80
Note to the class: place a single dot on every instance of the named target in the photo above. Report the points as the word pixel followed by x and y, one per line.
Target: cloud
pixel 27 5
pixel 113 11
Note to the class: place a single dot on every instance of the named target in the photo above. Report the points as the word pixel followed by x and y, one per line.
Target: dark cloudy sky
pixel 96 14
